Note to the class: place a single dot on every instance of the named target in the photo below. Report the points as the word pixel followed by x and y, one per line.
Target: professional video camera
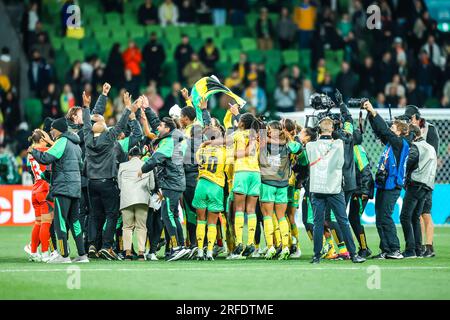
pixel 320 101
pixel 356 102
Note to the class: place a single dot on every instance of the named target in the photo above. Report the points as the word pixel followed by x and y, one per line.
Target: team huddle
pixel 109 186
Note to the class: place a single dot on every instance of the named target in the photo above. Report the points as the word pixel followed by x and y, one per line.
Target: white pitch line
pixel 221 269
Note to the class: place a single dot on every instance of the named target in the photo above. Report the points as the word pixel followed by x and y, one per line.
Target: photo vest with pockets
pixel 326 159
pixel 396 173
pixel 426 169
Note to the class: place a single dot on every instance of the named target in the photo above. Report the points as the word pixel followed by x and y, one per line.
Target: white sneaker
pixel 200 255
pixel 262 251
pixel 152 257
pixel 35 257
pixel 209 256
pixel 256 254
pixel 284 255
pixel 297 254
pixel 81 259
pixel 27 249
pixel 45 256
pixel 60 259
pixel 270 253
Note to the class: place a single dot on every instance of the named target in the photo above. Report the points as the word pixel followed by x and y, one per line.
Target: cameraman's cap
pixel 60 125
pixel 411 110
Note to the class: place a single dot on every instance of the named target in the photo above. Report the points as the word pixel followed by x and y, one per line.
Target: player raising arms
pixel 43 209
pixel 209 192
pixel 275 165
pixel 246 182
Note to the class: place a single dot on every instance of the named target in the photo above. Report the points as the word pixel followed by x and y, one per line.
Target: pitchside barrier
pixel 16 208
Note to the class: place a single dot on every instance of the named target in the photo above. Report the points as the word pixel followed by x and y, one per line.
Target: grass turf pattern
pixel 227 279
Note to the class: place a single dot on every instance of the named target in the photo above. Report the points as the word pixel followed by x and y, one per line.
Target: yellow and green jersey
pixel 241 140
pixel 211 164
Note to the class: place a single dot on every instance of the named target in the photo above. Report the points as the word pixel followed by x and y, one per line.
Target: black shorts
pixel 428 202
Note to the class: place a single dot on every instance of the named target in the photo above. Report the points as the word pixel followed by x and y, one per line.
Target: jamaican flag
pixel 206 87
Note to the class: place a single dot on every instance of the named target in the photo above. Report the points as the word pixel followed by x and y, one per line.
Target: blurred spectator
pixel 131 84
pixel 399 51
pixel 6 63
pixel 39 73
pixel 8 167
pixel 209 55
pixel 380 101
pixel 296 78
pixel 257 72
pixel 286 30
pixel 305 94
pixel 256 97
pixel 98 78
pixel 347 81
pixel 114 73
pixel 345 25
pixel 50 102
pixel 425 74
pixel 174 97
pixel 399 89
pixel 328 87
pixel 147 13
pixel 5 83
pixel 305 19
pixel 168 13
pixel 132 59
pixel 434 52
pixel 203 12
pixel 367 78
pixel 67 99
pixel 446 89
pixel 264 31
pixel 29 20
pixel 392 99
pixel 318 76
pixel 219 12
pixel 359 19
pixel 183 54
pixel 243 66
pixel 413 95
pixel 73 79
pixel 194 70
pixel 187 12
pixel 154 99
pixel 44 47
pixel 386 71
pixel 444 102
pixel 234 82
pixel 87 68
pixel 154 57
pixel 285 97
pixel 10 109
pixel 238 10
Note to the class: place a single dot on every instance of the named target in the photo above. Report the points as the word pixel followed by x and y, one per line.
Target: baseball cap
pixel 411 110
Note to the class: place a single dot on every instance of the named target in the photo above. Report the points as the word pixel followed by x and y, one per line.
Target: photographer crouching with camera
pixel 326 161
pixel 389 179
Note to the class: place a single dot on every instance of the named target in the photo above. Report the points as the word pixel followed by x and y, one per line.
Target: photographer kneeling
pixel 326 159
pixel 389 179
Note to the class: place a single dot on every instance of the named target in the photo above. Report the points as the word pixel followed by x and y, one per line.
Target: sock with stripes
pixel 284 230
pixel 200 232
pixel 268 230
pixel 239 226
pixel 276 230
pixel 212 233
pixel 251 224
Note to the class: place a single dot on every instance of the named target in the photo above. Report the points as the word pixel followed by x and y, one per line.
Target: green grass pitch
pixel 225 279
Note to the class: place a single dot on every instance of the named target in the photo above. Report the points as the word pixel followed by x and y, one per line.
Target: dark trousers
pixel 171 220
pixel 104 199
pixel 384 208
pixel 84 214
pixel 190 215
pixel 337 203
pixel 67 215
pixel 412 208
pixel 334 225
pixel 154 228
pixel 357 206
pixel 308 216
